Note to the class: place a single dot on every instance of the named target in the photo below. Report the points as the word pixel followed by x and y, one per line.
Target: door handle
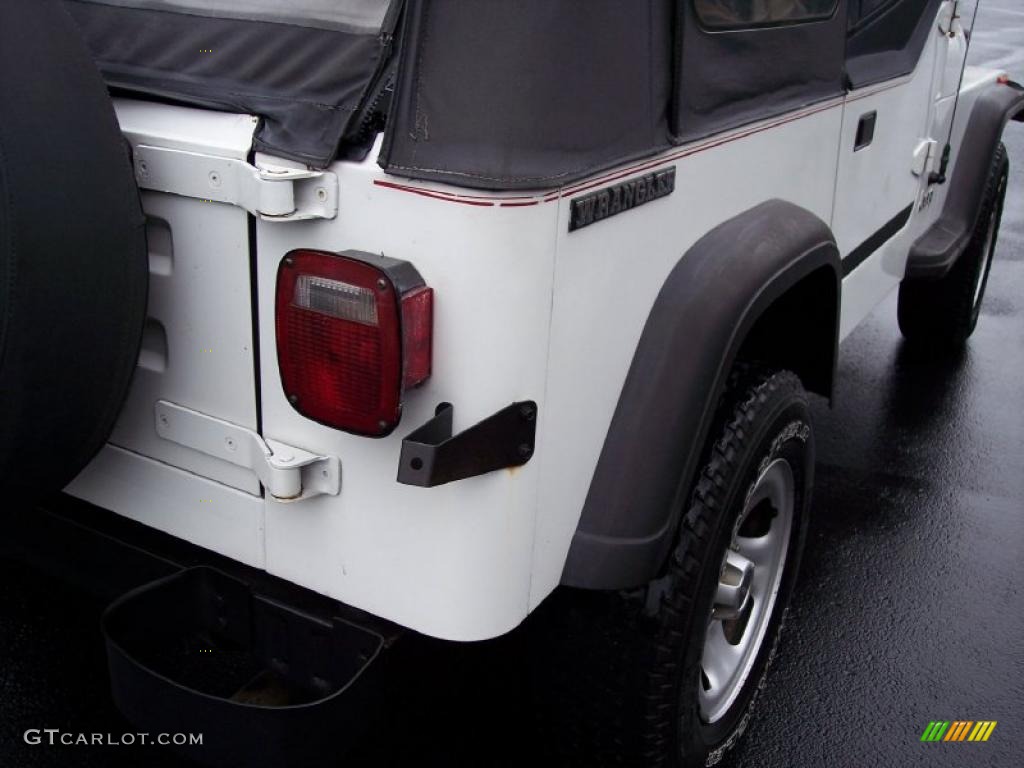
pixel 865 130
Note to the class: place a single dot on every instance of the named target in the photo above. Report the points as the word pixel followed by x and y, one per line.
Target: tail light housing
pixel 354 332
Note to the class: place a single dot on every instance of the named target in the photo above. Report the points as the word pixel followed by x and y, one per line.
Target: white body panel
pixel 196 351
pixel 172 500
pixel 876 183
pixel 453 560
pixel 609 274
pixel 524 310
pixel 197 348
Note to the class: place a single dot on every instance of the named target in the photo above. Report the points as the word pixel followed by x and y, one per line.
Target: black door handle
pixel 865 130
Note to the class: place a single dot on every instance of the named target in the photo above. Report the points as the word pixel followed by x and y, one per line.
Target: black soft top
pixel 499 94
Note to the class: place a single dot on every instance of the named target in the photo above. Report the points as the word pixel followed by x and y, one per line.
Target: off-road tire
pixel 620 682
pixel 942 314
pixel 74 270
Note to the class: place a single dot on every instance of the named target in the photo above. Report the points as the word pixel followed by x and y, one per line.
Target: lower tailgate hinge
pixel 288 473
pixel 274 193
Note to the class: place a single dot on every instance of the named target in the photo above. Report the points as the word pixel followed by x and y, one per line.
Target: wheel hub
pixel 733 591
pixel 748 585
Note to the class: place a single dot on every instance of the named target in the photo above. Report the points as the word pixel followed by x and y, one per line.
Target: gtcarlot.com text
pixel 56 737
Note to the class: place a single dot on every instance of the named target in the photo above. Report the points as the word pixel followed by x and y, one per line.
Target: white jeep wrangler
pixel 409 313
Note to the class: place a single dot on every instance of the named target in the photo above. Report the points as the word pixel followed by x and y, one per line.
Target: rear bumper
pixel 269 673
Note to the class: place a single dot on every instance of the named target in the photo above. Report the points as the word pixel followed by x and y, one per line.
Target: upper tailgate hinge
pixel 288 473
pixel 274 193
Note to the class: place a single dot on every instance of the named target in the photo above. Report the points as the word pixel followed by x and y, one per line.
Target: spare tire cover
pixel 73 264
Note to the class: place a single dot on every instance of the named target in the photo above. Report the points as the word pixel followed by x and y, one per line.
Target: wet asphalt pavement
pixel 911 601
pixel 910 607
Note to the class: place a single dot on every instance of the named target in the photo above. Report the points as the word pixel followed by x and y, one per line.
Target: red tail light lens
pixel 353 332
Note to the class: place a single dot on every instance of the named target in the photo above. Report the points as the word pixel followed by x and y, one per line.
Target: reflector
pixel 417 334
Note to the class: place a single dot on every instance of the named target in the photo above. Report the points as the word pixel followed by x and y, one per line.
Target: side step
pixel 201 652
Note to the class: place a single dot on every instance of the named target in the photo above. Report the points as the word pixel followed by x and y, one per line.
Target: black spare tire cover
pixel 73 265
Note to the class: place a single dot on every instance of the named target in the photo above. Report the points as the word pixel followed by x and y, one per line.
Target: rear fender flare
pixel 705 311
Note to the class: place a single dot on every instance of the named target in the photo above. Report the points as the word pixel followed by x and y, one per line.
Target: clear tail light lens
pixel 354 332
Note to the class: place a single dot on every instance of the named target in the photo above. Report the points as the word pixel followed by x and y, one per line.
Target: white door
pixel 951 48
pixel 877 189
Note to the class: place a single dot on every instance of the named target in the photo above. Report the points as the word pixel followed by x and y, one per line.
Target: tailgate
pixel 197 348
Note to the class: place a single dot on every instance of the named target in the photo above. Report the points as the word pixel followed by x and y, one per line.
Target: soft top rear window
pixel 351 15
pixel 739 14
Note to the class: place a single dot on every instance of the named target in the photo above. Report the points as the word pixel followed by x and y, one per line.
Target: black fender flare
pixel 935 252
pixel 707 307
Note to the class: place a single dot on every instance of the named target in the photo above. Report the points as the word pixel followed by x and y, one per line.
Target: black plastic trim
pixel 432 456
pixel 936 251
pixel 865 130
pixel 402 274
pixel 858 255
pixel 704 313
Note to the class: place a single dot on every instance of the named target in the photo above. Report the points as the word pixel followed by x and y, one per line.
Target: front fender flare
pixel 936 251
pixel 700 319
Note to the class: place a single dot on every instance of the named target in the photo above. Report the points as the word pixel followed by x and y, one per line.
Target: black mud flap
pixel 199 653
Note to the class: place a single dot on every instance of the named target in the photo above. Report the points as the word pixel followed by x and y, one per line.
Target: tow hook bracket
pixel 288 473
pixel 431 455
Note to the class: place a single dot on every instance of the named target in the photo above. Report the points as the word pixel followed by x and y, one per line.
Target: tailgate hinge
pixel 274 193
pixel 288 473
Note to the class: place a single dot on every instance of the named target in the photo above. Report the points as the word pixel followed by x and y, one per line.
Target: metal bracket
pixel 288 473
pixel 270 192
pixel 432 456
pixel 923 154
pixel 948 16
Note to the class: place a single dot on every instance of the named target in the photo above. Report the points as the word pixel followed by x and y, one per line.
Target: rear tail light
pixel 353 333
